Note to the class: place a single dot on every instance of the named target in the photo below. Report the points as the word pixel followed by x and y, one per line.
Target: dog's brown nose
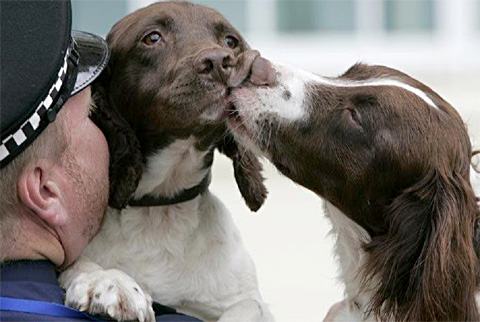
pixel 263 73
pixel 216 63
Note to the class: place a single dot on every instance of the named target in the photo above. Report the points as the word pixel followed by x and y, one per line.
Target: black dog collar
pixel 183 196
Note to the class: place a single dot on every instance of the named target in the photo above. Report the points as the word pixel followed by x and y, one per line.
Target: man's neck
pixel 33 239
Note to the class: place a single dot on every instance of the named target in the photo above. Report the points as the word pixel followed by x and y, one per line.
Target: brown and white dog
pixel 171 67
pixel 391 158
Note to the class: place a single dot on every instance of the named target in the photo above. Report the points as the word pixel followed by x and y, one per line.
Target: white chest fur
pixel 350 238
pixel 187 256
pixel 178 166
pixel 190 255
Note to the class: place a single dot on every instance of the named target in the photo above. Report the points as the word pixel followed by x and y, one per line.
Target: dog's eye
pixel 231 42
pixel 152 38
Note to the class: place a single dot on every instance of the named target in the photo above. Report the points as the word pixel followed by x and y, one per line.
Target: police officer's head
pixel 53 159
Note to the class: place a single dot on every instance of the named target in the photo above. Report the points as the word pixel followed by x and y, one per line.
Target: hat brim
pixel 94 55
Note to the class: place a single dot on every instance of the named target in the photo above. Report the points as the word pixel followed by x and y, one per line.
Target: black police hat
pixel 43 63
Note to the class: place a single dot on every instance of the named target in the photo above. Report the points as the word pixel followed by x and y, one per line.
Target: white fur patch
pixel 259 101
pixel 108 291
pixel 475 181
pixel 368 82
pixel 293 108
pixel 172 169
pixel 350 238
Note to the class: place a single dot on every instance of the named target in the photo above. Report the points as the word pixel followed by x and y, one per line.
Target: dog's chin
pixel 245 132
pixel 214 114
pixel 241 102
pixel 214 111
pixel 233 119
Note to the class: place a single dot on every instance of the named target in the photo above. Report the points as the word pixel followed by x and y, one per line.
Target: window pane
pixel 315 15
pixel 336 15
pixel 234 10
pixel 409 15
pixel 478 14
pixel 295 15
pixel 97 16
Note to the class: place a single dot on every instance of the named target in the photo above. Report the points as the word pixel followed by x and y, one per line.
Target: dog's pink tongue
pixel 263 73
pixel 251 64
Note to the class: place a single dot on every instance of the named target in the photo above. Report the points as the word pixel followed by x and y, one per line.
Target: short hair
pixel 50 144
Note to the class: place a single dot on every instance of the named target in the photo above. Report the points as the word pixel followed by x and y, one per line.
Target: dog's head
pixel 171 68
pixel 395 158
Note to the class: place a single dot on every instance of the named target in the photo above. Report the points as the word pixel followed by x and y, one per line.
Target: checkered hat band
pixel 14 141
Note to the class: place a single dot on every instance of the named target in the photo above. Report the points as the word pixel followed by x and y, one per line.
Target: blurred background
pixel 435 41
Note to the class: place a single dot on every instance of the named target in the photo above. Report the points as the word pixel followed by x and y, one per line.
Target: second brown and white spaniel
pixel 392 160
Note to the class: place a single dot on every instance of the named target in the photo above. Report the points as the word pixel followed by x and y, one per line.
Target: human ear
pixel 39 190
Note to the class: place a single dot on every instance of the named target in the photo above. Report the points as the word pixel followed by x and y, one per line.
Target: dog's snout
pixel 215 63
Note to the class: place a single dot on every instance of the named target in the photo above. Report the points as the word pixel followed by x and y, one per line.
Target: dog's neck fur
pixel 172 169
pixel 179 166
pixel 349 241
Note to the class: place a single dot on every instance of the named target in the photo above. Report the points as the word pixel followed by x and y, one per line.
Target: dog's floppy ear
pixel 247 169
pixel 425 268
pixel 475 182
pixel 126 160
pixel 475 172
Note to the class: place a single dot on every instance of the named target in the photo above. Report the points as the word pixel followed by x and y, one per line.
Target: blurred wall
pixel 437 41
pixel 318 34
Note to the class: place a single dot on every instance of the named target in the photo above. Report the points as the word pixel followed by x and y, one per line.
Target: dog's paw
pixel 112 293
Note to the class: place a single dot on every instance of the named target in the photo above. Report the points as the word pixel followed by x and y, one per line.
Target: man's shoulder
pixel 175 318
pixel 9 316
pixel 37 281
